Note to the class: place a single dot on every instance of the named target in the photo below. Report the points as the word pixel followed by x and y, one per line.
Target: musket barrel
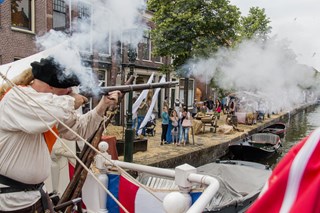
pixel 137 87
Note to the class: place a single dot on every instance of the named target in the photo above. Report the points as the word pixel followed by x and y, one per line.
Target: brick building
pixel 21 21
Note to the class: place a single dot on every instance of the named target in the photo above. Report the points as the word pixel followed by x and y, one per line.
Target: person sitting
pixel 26 140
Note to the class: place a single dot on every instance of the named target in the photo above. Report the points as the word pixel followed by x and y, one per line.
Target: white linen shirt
pixel 24 155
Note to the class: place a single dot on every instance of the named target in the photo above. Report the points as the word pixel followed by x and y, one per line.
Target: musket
pixel 127 88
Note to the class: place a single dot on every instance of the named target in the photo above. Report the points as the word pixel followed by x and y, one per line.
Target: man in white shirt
pixel 25 141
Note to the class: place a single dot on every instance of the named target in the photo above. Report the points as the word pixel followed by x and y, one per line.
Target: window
pixel 190 90
pixel 105 48
pixel 59 14
pixel 101 77
pixel 146 46
pixel 22 15
pixel 84 10
pixel 158 59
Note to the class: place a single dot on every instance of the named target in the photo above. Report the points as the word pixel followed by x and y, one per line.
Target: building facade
pixel 22 20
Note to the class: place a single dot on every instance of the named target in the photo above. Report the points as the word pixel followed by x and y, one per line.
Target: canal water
pixel 298 126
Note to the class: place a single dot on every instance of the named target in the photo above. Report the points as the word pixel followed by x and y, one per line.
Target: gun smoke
pixel 104 19
pixel 266 69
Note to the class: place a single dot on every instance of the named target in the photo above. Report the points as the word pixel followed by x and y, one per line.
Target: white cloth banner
pixel 154 99
pixel 141 97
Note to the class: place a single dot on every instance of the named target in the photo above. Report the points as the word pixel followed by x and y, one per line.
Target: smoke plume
pixel 268 70
pixel 120 20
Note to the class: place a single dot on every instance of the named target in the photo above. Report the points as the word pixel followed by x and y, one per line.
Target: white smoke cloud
pixel 119 19
pixel 268 69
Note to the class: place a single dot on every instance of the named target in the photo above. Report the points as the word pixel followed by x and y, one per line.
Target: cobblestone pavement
pixel 156 152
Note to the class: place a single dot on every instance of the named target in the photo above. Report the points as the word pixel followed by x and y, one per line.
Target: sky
pixel 298 21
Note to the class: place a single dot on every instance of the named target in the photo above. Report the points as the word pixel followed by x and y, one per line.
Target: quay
pixel 207 147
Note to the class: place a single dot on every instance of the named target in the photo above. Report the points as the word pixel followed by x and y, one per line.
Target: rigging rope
pixel 123 172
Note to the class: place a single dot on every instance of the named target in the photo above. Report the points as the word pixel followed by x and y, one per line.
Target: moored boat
pixel 277 128
pixel 256 146
pixel 233 186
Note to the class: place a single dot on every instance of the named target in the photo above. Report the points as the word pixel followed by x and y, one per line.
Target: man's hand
pixel 109 101
pixel 79 100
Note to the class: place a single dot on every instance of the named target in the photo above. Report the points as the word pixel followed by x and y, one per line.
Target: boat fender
pixel 177 202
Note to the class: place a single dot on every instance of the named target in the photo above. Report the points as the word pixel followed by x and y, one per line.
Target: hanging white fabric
pixel 154 100
pixel 141 97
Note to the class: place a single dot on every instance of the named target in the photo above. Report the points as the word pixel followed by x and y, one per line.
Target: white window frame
pixel 148 39
pixel 33 23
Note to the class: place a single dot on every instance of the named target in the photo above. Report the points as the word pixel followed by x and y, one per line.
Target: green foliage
pixel 192 28
pixel 166 68
pixel 255 25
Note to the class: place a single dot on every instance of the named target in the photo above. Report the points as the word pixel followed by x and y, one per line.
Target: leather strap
pixel 16 186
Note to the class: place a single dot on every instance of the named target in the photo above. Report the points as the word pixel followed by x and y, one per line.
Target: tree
pixel 255 25
pixel 191 28
pixel 187 29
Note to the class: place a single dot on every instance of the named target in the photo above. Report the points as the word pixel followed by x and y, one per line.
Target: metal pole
pixel 186 92
pixel 129 134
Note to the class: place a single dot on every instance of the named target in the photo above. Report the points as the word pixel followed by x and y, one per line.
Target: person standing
pixel 210 104
pixel 218 108
pixel 194 108
pixel 164 125
pixel 142 111
pixel 26 141
pixel 166 102
pixel 180 112
pixel 177 105
pixel 175 126
pixel 186 124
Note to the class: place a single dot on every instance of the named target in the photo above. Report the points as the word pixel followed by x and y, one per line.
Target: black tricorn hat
pixel 50 72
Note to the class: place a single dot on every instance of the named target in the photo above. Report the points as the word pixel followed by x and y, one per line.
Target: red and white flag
pixel 294 185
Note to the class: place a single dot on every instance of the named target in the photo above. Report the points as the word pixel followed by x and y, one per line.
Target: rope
pixel 108 116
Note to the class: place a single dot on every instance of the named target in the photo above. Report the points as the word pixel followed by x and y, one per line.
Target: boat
pixel 240 184
pixel 222 186
pixel 277 128
pixel 255 147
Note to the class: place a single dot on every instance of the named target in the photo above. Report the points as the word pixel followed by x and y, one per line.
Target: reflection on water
pixel 298 127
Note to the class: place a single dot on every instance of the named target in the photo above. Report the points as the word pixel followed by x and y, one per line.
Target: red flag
pixel 294 185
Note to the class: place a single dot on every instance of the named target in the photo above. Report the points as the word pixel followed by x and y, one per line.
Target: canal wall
pixel 219 147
